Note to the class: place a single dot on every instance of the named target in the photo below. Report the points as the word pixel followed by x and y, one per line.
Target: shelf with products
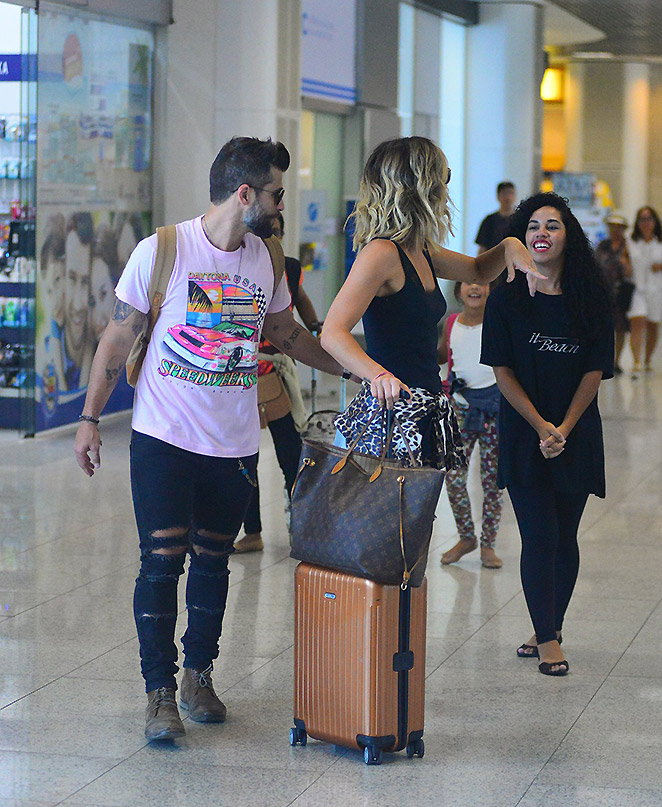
pixel 17 288
pixel 16 373
pixel 18 134
pixel 16 128
pixel 17 152
pixel 16 335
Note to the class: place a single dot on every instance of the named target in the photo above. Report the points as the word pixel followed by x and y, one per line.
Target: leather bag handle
pixel 385 445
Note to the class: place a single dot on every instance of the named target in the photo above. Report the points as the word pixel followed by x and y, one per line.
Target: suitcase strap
pixel 403 662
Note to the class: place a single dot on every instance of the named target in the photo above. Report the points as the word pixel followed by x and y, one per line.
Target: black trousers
pixel 548 522
pixel 287 443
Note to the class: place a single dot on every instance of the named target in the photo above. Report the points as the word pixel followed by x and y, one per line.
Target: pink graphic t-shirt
pixel 198 385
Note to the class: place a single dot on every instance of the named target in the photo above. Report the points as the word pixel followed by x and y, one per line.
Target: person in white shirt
pixel 645 314
pixel 475 397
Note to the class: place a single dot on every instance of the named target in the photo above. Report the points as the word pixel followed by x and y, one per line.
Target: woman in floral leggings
pixel 475 396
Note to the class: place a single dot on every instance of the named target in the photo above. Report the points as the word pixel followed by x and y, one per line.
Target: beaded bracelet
pixel 89 419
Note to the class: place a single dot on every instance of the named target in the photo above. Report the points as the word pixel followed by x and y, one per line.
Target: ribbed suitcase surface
pixel 346 648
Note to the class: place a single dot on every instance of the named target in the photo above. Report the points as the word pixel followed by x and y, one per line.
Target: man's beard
pixel 259 222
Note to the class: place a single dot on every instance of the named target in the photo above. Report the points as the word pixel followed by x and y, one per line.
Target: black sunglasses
pixel 278 195
pixel 448 178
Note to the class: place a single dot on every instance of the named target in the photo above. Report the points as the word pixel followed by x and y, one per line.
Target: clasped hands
pixel 552 440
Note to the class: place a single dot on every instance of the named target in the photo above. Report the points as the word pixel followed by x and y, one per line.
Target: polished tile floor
pixel 497 733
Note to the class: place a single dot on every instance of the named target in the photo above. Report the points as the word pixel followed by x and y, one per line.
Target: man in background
pixel 494 228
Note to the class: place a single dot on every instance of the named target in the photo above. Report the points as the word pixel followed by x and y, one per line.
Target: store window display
pixel 104 273
pixel 77 348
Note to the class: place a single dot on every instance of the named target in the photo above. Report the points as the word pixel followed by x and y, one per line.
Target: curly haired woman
pixel 549 353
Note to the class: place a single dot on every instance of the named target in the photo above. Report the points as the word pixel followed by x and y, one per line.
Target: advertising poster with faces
pixel 94 195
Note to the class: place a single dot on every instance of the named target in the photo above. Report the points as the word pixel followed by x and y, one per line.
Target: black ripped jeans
pixel 177 489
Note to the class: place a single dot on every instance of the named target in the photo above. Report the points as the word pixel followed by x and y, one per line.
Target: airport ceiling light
pixel 551 88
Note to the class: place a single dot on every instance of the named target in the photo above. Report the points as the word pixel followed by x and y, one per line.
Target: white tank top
pixel 465 346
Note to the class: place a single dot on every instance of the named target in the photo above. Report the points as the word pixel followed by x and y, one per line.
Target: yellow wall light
pixel 551 88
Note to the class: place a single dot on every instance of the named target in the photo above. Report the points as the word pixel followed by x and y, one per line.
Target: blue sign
pixel 18 67
pixel 313 214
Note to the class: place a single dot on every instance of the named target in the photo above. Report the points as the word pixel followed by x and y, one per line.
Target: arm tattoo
pixel 114 370
pixel 122 311
pixel 288 343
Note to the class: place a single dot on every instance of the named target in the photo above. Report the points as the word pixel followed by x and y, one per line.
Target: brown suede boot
pixel 198 697
pixel 249 543
pixel 162 720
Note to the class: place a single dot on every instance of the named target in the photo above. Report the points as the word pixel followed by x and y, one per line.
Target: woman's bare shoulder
pixel 378 264
pixel 381 249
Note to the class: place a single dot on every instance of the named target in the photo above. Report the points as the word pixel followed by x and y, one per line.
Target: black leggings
pixel 548 523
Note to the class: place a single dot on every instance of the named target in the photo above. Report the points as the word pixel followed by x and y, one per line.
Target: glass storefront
pixel 75 198
pixel 17 215
pixel 94 130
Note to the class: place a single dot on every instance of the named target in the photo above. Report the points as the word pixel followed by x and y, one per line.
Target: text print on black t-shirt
pixel 554 344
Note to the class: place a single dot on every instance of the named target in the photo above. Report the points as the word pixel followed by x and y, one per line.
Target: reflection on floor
pixel 497 733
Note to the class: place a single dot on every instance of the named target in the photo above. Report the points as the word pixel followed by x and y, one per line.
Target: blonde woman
pixel 402 218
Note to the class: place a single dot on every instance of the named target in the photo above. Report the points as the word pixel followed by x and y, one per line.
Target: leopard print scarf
pixel 448 452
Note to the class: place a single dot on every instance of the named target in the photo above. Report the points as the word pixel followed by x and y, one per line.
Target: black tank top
pixel 401 329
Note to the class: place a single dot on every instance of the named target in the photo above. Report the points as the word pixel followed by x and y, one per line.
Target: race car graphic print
pixel 221 332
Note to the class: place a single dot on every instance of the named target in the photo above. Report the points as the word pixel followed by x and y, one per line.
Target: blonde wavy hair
pixel 403 195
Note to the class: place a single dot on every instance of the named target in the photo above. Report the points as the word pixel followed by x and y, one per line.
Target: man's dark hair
pixel 505 186
pixel 245 160
pixel 105 247
pixel 53 248
pixel 81 223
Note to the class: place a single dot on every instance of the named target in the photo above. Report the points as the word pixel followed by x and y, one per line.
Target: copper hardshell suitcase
pixel 359 663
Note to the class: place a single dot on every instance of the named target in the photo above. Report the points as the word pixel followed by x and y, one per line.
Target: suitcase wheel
pixel 298 736
pixel 416 749
pixel 372 755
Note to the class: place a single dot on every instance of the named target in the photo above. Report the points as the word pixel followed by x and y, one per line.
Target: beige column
pixel 230 69
pixel 635 137
pixel 573 110
pixel 504 109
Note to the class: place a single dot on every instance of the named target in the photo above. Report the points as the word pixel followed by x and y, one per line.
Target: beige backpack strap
pixel 164 263
pixel 277 258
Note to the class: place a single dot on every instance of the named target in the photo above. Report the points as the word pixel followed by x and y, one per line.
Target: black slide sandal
pixel 545 668
pixel 522 649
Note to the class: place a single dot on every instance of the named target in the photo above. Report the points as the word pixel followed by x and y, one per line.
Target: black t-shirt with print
pixel 493 229
pixel 534 338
